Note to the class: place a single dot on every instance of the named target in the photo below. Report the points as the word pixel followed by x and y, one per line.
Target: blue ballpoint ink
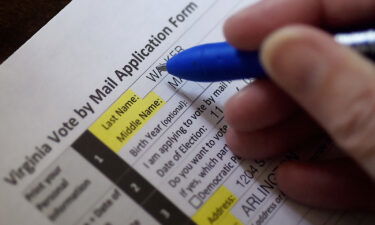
pixel 220 61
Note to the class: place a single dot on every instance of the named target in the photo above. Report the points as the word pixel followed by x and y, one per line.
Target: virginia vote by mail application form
pixel 92 133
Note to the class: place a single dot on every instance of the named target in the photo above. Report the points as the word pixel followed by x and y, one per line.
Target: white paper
pixel 75 148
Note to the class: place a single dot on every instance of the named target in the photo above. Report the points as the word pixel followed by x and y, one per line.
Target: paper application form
pixel 92 133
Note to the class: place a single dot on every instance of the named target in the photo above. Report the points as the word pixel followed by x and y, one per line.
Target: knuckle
pixel 354 129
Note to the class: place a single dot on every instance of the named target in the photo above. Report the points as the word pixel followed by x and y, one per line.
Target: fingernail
pixel 293 59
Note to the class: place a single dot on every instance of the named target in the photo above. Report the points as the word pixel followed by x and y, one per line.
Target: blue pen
pixel 220 61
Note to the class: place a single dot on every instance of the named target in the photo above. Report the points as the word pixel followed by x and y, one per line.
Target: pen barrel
pixel 221 61
pixel 363 42
pixel 216 62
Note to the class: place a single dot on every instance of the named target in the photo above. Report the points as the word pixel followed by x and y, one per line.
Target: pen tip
pixel 162 67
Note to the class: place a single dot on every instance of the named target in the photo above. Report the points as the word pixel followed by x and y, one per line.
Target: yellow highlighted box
pixel 217 209
pixel 125 118
pixel 230 219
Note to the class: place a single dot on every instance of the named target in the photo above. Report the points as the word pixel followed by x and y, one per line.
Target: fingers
pixel 247 29
pixel 274 140
pixel 333 84
pixel 259 105
pixel 331 184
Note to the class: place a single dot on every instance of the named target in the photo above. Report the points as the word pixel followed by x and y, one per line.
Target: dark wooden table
pixel 20 19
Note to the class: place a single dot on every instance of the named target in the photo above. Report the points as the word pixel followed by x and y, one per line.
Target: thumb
pixel 333 84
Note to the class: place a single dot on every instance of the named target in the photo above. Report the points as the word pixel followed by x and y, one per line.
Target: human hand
pixel 317 87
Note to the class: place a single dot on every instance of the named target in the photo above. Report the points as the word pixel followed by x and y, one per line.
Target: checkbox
pixel 195 201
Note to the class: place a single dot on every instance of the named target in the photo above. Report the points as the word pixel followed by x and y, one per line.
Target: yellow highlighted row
pixel 216 211
pixel 125 118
